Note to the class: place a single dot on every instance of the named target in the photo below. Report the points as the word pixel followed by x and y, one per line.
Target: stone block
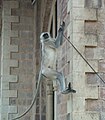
pixel 26 34
pixel 10 63
pixel 78 3
pixel 85 116
pixel 14 33
pixel 102 115
pixel 91 27
pixel 20 26
pixel 26 20
pixel 10 4
pixel 84 14
pixel 101 39
pixel 6 26
pixel 79 104
pixel 23 12
pixel 5 40
pixel 13 48
pixel 102 93
pixel 4 69
pixel 4 116
pixel 90 14
pixel 91 40
pixel 94 64
pixel 9 19
pixel 6 64
pixel 12 109
pixel 5 101
pixel 9 109
pixel 77 65
pixel 94 105
pixel 94 53
pixel 6 12
pixel 5 85
pixel 92 78
pixel 102 66
pixel 75 4
pixel 101 15
pixel 7 49
pixel 6 52
pixel 9 33
pixel 91 92
pixel 9 78
pixel 78 26
pixel 9 93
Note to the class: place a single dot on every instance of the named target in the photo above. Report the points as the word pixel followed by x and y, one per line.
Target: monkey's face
pixel 45 37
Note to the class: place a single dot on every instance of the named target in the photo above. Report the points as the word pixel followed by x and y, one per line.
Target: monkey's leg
pixel 64 89
pixel 53 74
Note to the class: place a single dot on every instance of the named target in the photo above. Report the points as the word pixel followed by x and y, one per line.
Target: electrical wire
pixel 34 99
pixel 84 59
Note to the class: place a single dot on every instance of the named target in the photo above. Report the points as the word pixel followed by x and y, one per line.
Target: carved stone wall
pixel 85 29
pixel 22 24
pixel 18 59
pixel 6 62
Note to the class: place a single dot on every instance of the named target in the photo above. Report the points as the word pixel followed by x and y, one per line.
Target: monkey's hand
pixel 62 27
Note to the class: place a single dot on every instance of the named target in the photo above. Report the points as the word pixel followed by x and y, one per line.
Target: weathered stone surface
pixel 91 92
pixel 93 3
pixel 84 14
pixel 85 116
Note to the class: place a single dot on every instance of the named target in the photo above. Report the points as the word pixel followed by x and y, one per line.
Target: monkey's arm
pixel 59 38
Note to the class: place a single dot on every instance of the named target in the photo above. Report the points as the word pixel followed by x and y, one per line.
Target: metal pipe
pixel 33 2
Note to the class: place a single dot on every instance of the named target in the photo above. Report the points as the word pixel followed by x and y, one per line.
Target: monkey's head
pixel 44 37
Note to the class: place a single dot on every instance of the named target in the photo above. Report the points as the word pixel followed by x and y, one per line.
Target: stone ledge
pixel 9 109
pixel 10 78
pixel 9 93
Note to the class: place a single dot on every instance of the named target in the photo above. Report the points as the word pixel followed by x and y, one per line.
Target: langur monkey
pixel 49 47
pixel 48 63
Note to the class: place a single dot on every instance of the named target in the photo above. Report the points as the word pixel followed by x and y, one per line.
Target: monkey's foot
pixel 68 90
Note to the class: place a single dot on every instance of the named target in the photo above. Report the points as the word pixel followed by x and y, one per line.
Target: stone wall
pixel 85 29
pixel 18 59
pixel 22 25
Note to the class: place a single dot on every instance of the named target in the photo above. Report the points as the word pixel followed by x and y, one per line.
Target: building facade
pixel 21 25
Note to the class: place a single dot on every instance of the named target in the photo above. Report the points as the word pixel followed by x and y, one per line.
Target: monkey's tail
pixel 34 99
